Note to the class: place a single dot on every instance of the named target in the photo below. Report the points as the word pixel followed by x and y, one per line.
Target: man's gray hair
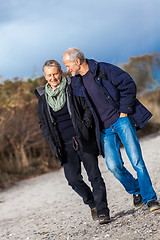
pixel 74 53
pixel 52 63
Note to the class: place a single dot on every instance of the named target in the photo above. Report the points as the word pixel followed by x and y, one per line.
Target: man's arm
pixel 126 87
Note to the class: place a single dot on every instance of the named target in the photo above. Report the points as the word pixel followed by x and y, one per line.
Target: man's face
pixel 53 76
pixel 72 66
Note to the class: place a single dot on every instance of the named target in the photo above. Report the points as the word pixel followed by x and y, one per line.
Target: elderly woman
pixel 66 123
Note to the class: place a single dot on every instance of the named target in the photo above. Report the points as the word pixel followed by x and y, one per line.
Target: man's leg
pixel 127 134
pixel 111 146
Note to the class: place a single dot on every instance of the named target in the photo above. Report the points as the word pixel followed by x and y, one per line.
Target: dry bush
pixel 151 99
pixel 23 150
pixel 141 69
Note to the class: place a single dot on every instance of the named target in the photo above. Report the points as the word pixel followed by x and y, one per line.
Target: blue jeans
pixel 72 170
pixel 123 130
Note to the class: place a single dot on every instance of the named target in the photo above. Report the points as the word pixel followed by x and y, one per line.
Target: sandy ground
pixel 46 207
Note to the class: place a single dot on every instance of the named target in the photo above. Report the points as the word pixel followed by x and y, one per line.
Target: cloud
pixel 34 31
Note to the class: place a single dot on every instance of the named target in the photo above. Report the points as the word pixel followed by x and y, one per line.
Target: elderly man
pixel 111 95
pixel 66 123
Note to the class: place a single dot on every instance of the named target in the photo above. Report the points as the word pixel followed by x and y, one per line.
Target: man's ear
pixel 78 61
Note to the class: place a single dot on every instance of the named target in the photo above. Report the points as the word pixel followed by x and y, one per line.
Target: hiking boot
pixel 137 201
pixel 94 213
pixel 103 219
pixel 153 205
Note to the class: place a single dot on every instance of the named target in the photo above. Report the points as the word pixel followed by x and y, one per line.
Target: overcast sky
pixel 34 31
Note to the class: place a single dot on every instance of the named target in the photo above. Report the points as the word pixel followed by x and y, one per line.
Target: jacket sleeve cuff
pixel 126 109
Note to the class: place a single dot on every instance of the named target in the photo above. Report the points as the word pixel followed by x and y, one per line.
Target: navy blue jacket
pixel 82 121
pixel 119 89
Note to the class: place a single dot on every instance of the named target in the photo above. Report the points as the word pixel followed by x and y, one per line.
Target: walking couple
pixel 90 114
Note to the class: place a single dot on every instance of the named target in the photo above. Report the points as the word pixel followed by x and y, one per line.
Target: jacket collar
pixel 93 66
pixel 40 90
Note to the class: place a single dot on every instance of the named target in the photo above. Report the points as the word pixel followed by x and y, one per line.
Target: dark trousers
pixel 72 170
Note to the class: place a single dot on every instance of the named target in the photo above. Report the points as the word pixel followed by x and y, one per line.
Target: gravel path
pixel 45 207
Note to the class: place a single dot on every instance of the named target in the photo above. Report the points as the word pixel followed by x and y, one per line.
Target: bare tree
pixel 141 69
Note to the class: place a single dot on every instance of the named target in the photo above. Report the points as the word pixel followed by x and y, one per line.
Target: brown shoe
pixel 94 213
pixel 103 219
pixel 137 201
pixel 153 205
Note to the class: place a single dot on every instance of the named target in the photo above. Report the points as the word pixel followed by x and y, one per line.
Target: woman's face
pixel 53 76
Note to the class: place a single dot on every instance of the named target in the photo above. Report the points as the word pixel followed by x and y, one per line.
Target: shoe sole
pixel 104 222
pixel 154 208
pixel 138 207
